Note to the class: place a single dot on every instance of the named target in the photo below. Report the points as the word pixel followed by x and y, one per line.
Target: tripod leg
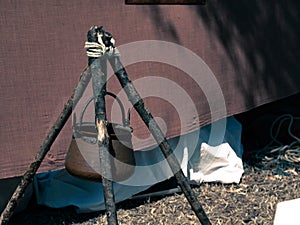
pixel 99 77
pixel 99 81
pixel 138 104
pixel 45 147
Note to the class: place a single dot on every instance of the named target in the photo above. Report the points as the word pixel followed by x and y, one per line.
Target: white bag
pixel 217 164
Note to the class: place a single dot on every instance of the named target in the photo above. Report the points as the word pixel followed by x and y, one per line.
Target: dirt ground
pixel 252 201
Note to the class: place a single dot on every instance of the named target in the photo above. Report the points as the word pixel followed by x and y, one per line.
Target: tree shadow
pixel 261 39
pixel 163 24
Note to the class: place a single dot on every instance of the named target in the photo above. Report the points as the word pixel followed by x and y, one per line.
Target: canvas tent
pixel 251 48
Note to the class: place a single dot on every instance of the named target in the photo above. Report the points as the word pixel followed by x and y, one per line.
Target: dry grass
pixel 253 201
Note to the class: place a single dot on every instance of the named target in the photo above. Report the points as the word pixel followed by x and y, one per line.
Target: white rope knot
pixel 94 49
pixel 97 49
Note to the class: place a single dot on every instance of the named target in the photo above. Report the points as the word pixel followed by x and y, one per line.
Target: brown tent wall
pixel 252 47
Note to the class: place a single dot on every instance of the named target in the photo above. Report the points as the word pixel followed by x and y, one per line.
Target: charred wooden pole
pixel 98 66
pixel 148 119
pixel 45 147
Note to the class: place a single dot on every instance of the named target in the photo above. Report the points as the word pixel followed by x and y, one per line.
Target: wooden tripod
pixel 97 70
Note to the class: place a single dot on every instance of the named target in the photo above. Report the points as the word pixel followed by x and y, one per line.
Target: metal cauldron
pixel 82 158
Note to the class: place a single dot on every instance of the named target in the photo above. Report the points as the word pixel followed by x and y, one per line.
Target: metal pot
pixel 82 158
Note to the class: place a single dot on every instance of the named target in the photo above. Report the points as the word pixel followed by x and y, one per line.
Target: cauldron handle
pixel 125 120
